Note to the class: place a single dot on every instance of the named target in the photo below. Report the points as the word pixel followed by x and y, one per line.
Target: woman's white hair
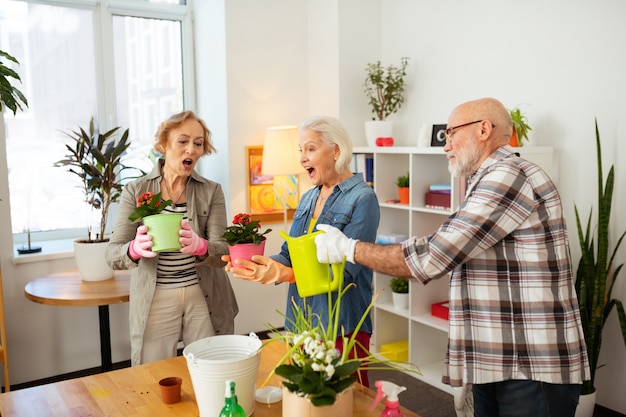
pixel 332 133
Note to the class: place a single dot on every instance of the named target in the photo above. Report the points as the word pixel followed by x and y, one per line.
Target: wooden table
pixel 134 392
pixel 68 289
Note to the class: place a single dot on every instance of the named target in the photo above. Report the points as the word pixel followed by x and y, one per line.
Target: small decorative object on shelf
pixel 520 127
pixel 384 88
pixel 441 310
pixel 400 293
pixel 399 285
pixel 403 183
pixel 244 237
pixel 438 196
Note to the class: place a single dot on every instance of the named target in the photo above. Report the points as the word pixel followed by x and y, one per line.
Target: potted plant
pixel 163 227
pixel 403 183
pixel 596 274
pixel 244 238
pixel 520 127
pixel 96 158
pixel 10 96
pixel 384 88
pixel 316 374
pixel 400 292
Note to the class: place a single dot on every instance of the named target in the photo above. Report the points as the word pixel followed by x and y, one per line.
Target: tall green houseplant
pixel 596 275
pixel 96 158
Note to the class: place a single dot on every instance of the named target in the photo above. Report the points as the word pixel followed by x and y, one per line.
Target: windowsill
pixel 50 249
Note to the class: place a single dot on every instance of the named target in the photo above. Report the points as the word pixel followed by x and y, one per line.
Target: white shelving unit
pixel 427 335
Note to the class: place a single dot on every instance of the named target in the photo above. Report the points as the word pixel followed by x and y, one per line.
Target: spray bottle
pixel 391 391
pixel 231 406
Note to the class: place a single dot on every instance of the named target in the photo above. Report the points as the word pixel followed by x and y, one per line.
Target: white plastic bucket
pixel 214 360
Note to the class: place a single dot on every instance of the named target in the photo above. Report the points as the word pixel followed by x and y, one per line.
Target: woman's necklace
pixel 322 198
pixel 167 188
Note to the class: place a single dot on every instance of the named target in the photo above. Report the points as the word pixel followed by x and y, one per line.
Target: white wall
pixel 281 61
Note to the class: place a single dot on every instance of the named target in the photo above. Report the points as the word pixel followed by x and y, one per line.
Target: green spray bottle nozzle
pixel 231 406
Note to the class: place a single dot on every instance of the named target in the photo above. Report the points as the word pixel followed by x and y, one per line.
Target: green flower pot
pixel 164 229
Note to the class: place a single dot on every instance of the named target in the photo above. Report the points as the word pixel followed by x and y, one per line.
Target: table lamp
pixel 281 159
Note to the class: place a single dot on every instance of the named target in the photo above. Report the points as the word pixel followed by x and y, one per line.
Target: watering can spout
pixel 312 276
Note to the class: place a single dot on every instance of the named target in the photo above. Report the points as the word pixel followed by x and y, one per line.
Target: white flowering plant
pixel 313 367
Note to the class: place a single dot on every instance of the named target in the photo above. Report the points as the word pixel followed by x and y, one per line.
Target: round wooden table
pixel 68 289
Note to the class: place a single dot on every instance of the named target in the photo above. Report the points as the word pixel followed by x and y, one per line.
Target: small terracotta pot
pixel 170 389
pixel 403 193
pixel 513 141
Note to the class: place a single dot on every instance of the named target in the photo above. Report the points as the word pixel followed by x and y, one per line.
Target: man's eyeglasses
pixel 448 131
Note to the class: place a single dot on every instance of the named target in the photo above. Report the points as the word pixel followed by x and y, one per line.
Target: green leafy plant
pixel 244 230
pixel 399 285
pixel 520 125
pixel 596 276
pixel 384 87
pixel 148 204
pixel 96 158
pixel 313 367
pixel 10 96
pixel 403 180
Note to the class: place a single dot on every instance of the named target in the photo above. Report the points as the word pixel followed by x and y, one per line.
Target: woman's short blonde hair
pixel 176 120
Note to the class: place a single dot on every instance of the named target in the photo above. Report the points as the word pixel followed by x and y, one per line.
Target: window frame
pixel 103 13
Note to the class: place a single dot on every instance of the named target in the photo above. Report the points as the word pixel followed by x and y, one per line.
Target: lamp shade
pixel 281 151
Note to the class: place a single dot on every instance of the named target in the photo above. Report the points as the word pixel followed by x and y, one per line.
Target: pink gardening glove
pixel 140 246
pixel 192 243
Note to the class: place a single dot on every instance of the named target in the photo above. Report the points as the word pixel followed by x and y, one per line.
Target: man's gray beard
pixel 465 162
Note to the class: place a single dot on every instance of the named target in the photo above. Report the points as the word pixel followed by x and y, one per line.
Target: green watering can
pixel 312 276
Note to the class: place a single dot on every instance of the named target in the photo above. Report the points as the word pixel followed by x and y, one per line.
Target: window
pixel 68 76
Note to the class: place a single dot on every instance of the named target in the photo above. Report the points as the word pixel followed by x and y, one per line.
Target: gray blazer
pixel 206 211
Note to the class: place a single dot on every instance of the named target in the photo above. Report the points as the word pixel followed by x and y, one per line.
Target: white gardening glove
pixel 333 245
pixel 140 246
pixel 192 243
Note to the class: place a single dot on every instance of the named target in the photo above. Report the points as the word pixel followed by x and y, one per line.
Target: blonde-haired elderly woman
pixel 182 294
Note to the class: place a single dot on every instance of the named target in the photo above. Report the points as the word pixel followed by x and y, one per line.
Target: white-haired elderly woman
pixel 339 198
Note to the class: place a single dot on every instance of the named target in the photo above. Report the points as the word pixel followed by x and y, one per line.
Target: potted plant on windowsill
pixel 596 276
pixel 520 127
pixel 96 158
pixel 400 293
pixel 403 182
pixel 384 88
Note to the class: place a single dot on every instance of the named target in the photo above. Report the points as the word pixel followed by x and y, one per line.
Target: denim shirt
pixel 353 208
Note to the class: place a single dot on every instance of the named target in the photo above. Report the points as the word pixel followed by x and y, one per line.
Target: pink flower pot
pixel 245 251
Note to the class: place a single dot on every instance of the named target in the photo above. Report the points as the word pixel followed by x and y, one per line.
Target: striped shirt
pixel 175 269
pixel 513 307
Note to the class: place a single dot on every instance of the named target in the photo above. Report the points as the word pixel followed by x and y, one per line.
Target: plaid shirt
pixel 513 307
